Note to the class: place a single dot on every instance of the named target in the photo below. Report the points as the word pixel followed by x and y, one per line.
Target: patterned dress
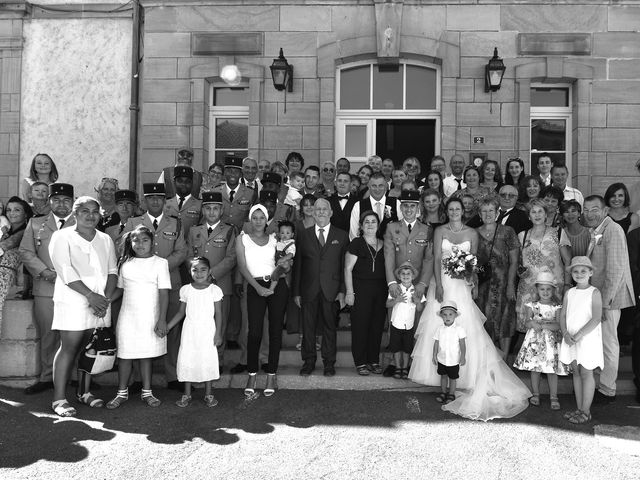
pixel 540 350
pixel 492 294
pixel 538 254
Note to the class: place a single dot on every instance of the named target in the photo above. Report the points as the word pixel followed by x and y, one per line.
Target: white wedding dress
pixel 487 388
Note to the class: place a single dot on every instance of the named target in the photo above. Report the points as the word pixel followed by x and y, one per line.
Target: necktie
pixel 459 180
pixel 180 203
pixel 62 221
pixel 378 204
pixel 503 214
pixel 231 195
pixel 409 227
pixel 209 230
pixel 321 239
pixel 121 228
pixel 155 224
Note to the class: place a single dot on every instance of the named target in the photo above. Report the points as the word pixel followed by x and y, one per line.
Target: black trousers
pixel 367 320
pixel 256 306
pixel 635 355
pixel 319 309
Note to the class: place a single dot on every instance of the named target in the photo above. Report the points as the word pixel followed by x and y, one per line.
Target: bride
pixel 489 389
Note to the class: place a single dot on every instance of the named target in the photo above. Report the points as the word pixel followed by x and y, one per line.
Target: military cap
pixel 61 189
pixel 232 162
pixel 126 195
pixel 271 177
pixel 182 171
pixel 211 197
pixel 267 195
pixel 153 189
pixel 410 196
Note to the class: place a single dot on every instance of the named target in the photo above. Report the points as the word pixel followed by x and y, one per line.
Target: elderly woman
pixel 256 261
pixel 107 197
pixel 42 169
pixel 366 285
pixel 328 177
pixel 528 190
pixel 85 261
pixel 617 199
pixel 18 212
pixel 540 251
pixel 498 250
pixel 432 208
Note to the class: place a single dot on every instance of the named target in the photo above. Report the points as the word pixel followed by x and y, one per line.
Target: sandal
pixel 580 418
pixel 90 400
pixel 449 398
pixel 63 409
pixel 117 401
pixel 375 368
pixel 151 400
pixel 405 373
pixel 271 386
pixel 399 373
pixel 535 400
pixel 210 401
pixel 441 398
pixel 571 413
pixel 250 389
pixel 185 400
pixel 555 404
pixel 362 370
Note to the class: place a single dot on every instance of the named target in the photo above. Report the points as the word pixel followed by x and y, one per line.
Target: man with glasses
pixel 184 158
pixel 508 214
pixel 34 252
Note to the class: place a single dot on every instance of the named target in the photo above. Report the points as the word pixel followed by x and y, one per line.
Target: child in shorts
pixel 449 350
pixel 402 319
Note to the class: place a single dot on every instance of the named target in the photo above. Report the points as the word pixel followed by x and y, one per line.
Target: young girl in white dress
pixel 144 283
pixel 201 302
pixel 582 337
pixel 489 389
pixel 539 351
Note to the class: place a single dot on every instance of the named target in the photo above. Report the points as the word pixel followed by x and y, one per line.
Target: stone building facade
pixel 370 76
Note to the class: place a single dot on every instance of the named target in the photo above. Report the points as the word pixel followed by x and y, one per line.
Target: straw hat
pixel 546 278
pixel 449 305
pixel 580 261
pixel 404 266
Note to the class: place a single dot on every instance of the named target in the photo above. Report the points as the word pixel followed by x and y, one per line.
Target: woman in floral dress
pixel 540 251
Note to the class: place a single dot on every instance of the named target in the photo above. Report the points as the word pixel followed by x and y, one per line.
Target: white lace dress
pixel 487 386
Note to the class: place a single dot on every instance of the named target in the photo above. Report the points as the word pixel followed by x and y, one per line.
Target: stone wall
pixel 316 37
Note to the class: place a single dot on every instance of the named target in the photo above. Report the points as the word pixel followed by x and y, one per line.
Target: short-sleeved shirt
pixel 403 314
pixel 367 259
pixel 449 343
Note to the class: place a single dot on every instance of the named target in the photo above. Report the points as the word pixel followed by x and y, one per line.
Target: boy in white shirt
pixel 403 318
pixel 296 182
pixel 449 350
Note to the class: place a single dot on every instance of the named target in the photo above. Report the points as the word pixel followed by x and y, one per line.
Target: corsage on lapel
pixel 335 242
pixel 387 211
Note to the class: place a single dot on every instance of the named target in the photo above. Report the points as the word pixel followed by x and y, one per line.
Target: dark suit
pixel 516 219
pixel 341 216
pixel 633 243
pixel 318 278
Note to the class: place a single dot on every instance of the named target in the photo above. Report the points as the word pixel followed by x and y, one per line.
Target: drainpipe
pixel 134 108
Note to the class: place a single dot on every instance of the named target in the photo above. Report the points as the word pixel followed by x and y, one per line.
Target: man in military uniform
pixel 126 203
pixel 184 206
pixel 169 243
pixel 184 158
pixel 408 240
pixel 237 199
pixel 34 252
pixel 216 241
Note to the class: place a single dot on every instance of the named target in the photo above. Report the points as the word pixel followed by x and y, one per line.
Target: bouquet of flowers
pixel 461 264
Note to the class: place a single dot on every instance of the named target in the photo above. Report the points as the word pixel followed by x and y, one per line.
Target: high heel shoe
pixel 272 385
pixel 250 389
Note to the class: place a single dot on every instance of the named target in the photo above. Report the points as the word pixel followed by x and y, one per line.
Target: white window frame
pixel 368 117
pixel 223 113
pixel 555 113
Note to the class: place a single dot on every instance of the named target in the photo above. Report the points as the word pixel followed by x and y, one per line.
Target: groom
pixel 408 240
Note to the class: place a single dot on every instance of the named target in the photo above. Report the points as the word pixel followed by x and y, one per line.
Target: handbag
pixel 99 354
pixel 485 271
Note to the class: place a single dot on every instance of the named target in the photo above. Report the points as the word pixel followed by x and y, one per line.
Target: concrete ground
pixel 311 434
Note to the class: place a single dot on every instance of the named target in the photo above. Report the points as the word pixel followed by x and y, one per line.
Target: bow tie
pixel 346 197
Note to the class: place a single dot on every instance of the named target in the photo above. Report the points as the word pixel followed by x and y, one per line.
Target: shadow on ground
pixel 29 431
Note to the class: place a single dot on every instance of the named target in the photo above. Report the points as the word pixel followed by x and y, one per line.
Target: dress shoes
pixel 239 368
pixel 38 387
pixel 307 369
pixel 329 371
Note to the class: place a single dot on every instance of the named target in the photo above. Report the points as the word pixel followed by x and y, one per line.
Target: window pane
pixel 231 133
pixel 421 88
pixel 354 88
pixel 549 97
pixel 356 141
pixel 221 154
pixel 548 134
pixel 230 97
pixel 387 90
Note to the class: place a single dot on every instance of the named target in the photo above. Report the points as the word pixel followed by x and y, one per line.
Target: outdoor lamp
pixel 494 71
pixel 282 73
